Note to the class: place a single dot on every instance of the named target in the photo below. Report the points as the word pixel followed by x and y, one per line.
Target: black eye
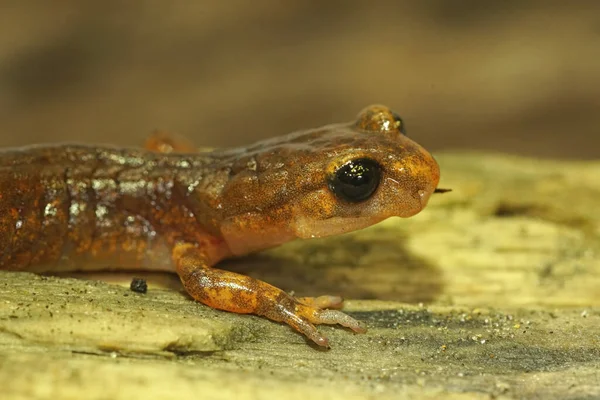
pixel 356 180
pixel 399 123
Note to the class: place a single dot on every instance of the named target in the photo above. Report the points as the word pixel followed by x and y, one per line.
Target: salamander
pixel 171 207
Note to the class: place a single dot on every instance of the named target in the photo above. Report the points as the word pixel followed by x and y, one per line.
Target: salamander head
pixel 334 179
pixel 380 173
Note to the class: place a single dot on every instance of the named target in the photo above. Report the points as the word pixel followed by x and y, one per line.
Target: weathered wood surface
pixel 506 268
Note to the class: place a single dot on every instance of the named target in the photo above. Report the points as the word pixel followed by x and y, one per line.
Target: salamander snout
pixel 425 175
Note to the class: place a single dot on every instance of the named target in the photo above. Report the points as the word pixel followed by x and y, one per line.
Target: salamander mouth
pixel 307 228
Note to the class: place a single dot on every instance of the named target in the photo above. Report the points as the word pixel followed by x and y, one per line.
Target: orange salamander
pixel 170 207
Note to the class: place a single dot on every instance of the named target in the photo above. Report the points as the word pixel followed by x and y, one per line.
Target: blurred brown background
pixel 511 76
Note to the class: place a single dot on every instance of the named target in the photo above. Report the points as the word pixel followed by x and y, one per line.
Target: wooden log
pixel 493 290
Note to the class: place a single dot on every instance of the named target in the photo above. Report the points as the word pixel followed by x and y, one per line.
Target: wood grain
pixel 506 267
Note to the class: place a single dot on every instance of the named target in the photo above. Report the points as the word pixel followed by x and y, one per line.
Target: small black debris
pixel 138 285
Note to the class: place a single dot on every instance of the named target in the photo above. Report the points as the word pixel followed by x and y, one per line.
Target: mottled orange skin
pixel 169 207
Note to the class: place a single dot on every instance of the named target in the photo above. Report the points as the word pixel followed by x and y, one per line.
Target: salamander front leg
pixel 242 294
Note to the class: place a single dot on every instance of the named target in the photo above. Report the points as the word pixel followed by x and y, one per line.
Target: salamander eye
pixel 356 180
pixel 399 123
